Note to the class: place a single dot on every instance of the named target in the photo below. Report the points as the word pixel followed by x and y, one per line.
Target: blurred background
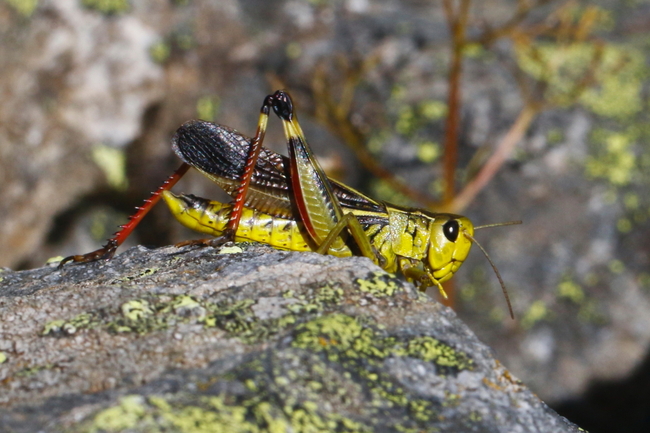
pixel 497 109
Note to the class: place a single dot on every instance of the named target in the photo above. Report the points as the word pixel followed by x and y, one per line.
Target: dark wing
pixel 220 154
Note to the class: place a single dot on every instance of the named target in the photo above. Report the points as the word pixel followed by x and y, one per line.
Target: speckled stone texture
pixel 206 340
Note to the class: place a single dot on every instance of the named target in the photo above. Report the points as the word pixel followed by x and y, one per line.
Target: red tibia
pixel 249 169
pixel 127 228
pixel 242 189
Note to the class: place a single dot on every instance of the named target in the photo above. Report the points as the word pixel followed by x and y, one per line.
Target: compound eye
pixel 451 230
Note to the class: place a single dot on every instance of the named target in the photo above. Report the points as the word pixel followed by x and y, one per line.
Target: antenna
pixel 496 271
pixel 508 223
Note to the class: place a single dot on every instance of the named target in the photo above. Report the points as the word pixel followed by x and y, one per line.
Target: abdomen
pixel 211 217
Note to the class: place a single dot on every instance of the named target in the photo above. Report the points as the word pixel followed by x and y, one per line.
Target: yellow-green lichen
pixel 569 289
pixel 614 159
pixel 138 316
pixel 342 336
pixel 406 121
pixel 616 75
pixel 54 260
pixel 214 414
pixel 536 313
pixel 293 50
pixel 421 410
pixel 160 51
pixel 433 109
pixel 339 330
pixel 160 312
pixel 411 119
pixel 24 7
pixel 136 310
pixel 620 76
pixel 428 152
pixel 451 399
pixel 112 161
pixel 319 301
pixel 216 417
pixel 381 284
pixel 207 107
pixel 184 305
pixel 71 326
pixel 432 350
pixel 231 250
pixel 616 266
pixel 236 318
pixel 53 326
pixel 3 357
pixel 107 7
pixel 554 136
pixel 127 414
pixel 624 225
pixel 30 371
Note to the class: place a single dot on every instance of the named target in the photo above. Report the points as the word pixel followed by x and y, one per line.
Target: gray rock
pixel 200 340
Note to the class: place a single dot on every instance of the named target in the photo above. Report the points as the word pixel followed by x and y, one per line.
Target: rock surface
pixel 205 340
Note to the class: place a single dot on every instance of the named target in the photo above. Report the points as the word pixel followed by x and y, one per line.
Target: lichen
pixel 127 414
pixel 536 313
pixel 380 284
pixel 569 289
pixel 107 7
pixel 231 250
pixel 338 355
pixel 341 336
pixel 160 52
pixel 32 370
pixel 216 414
pixel 613 159
pixel 616 266
pixel 432 350
pixel 112 161
pixel 207 107
pixel 617 71
pixel 24 7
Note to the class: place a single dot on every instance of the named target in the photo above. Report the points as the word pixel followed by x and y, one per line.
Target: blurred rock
pixel 70 80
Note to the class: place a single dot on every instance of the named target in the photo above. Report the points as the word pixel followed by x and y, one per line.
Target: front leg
pixel 422 278
pixel 351 222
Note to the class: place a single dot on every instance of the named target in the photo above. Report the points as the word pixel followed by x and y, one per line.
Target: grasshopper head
pixel 449 246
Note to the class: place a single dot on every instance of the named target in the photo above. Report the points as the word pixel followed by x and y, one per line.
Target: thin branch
pixel 490 35
pixel 496 160
pixel 457 22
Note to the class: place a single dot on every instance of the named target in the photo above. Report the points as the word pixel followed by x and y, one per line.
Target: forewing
pixel 220 153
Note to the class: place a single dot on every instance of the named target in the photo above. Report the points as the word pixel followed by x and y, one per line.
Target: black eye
pixel 451 229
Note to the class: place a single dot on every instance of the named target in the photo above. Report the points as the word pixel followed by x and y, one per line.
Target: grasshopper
pixel 289 203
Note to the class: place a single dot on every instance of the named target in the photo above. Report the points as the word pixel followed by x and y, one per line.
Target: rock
pixel 74 87
pixel 195 340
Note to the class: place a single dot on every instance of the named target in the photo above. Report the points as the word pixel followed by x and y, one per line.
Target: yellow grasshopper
pixel 289 203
